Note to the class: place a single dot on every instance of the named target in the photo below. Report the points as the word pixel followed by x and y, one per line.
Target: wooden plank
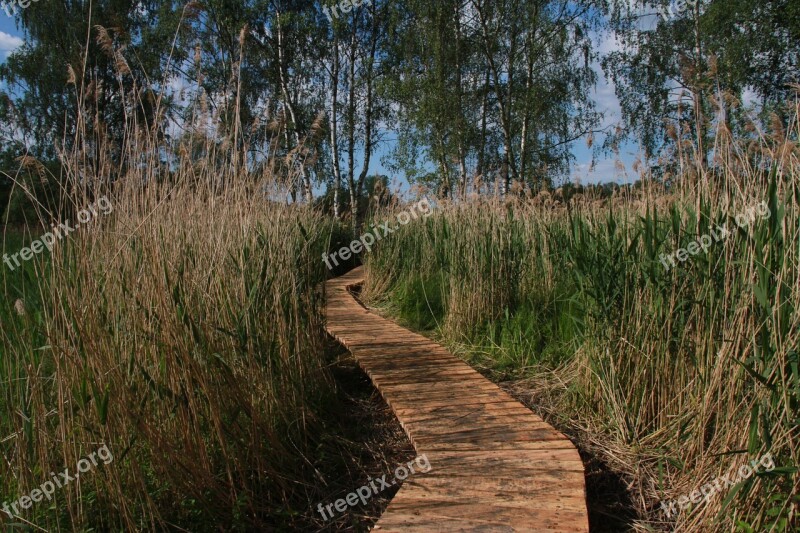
pixel 446 408
pixel 481 436
pixel 495 465
pixel 551 498
pixel 425 387
pixel 540 485
pixel 535 455
pixel 567 460
pixel 474 420
pixel 491 520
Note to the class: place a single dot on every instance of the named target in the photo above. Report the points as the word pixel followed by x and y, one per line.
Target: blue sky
pixel 606 169
pixel 10 37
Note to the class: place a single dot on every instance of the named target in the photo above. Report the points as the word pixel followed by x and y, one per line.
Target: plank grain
pixel 495 465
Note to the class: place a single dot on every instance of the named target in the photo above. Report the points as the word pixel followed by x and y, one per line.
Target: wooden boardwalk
pixel 495 465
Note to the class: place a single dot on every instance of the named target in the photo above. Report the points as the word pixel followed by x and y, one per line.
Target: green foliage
pixel 216 350
pixel 684 67
pixel 420 302
pixel 488 86
pixel 39 71
pixel 671 354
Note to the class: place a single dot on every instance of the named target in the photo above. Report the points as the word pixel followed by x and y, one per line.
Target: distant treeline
pixel 473 95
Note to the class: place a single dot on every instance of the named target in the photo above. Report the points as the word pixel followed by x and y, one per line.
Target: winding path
pixel 496 466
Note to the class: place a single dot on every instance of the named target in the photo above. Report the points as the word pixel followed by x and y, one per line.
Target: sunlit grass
pixel 686 373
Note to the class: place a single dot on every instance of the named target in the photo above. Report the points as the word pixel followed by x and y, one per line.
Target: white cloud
pixel 750 98
pixel 615 169
pixel 178 87
pixel 8 43
pixel 605 171
pixel 607 42
pixel 604 94
pixel 607 102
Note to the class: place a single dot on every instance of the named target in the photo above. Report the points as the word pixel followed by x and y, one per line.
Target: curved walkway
pixel 496 466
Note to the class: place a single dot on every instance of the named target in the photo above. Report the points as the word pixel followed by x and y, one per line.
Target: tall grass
pixel 183 330
pixel 684 373
pixel 186 334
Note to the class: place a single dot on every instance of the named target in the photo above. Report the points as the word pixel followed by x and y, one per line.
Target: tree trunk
pixel 526 114
pixel 369 111
pixel 289 106
pixel 334 125
pixel 697 94
pixel 484 110
pixel 351 134
pixel 503 102
pixel 462 156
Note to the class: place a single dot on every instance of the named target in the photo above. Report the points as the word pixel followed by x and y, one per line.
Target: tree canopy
pixel 470 95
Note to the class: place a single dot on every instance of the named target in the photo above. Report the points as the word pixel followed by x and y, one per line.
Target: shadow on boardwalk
pixel 496 466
